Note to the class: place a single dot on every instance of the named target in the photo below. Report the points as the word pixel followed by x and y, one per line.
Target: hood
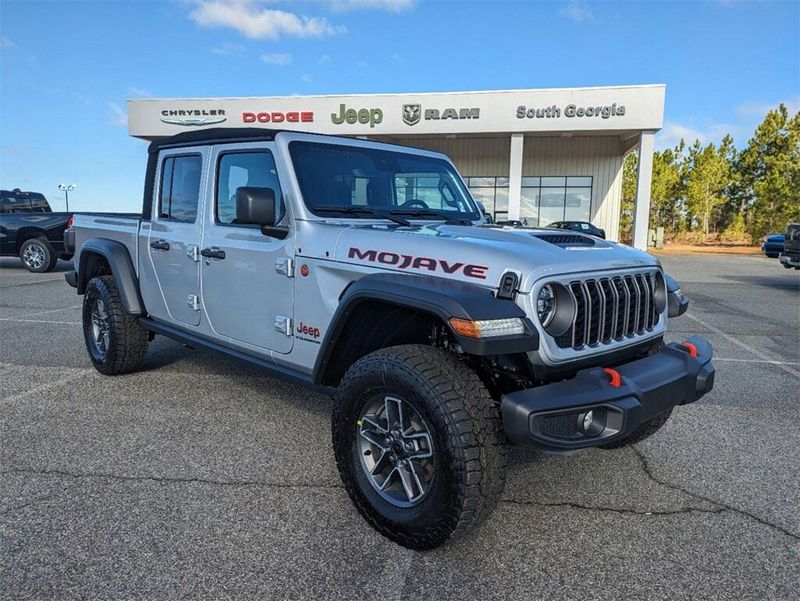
pixel 476 254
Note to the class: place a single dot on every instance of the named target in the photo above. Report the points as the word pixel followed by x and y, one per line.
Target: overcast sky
pixel 67 67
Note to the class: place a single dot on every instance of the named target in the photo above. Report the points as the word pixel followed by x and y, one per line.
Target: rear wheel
pixel 419 445
pixel 37 255
pixel 116 341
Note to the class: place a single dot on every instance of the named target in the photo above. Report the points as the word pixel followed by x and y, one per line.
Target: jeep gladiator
pixel 367 271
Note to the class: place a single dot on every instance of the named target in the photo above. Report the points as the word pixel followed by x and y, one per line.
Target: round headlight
pixel 546 305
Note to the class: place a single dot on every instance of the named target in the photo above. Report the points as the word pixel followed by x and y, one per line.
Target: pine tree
pixel 768 173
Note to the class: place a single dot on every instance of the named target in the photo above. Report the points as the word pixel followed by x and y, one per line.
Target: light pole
pixel 66 189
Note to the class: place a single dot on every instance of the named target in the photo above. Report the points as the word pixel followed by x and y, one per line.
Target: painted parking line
pixel 20 320
pixel 40 313
pixel 731 360
pixel 745 346
pixel 44 387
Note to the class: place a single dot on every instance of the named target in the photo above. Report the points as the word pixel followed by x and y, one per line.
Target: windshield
pixel 363 182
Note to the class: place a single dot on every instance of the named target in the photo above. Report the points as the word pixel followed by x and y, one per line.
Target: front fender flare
pixel 119 260
pixel 436 296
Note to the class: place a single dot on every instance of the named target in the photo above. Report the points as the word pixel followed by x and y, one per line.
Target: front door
pixel 175 234
pixel 247 286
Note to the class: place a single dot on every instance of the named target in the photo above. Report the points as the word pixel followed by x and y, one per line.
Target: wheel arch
pixel 381 310
pixel 100 256
pixel 26 233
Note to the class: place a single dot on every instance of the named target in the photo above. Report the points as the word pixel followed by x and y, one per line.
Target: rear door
pixel 175 233
pixel 246 276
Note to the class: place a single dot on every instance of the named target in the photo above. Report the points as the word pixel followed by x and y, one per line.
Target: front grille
pixel 610 309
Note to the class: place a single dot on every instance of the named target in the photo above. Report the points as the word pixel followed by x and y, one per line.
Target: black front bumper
pixel 554 417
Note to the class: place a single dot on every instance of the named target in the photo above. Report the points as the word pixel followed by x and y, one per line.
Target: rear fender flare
pixel 121 265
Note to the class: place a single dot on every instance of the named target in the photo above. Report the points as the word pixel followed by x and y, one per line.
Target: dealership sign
pixel 571 110
pixel 412 113
pixel 619 108
pixel 193 117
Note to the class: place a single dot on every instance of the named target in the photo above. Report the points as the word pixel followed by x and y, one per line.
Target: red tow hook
pixel 692 349
pixel 613 374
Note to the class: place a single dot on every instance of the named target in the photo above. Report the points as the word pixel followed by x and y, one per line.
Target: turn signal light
pixel 487 328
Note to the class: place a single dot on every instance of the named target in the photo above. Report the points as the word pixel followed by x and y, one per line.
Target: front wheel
pixel 116 341
pixel 419 445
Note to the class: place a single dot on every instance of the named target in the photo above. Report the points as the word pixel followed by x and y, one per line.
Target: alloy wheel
pixel 34 256
pixel 396 449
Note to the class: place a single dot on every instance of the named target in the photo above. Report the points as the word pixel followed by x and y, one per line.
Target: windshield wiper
pixel 361 211
pixel 433 213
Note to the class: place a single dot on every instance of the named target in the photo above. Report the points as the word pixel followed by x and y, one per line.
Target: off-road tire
pixel 467 434
pixel 46 256
pixel 645 430
pixel 128 340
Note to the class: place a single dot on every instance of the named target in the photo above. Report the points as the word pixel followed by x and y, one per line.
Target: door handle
pixel 160 245
pixel 213 253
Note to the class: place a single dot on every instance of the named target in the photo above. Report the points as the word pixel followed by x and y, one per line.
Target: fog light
pixel 588 418
pixel 593 422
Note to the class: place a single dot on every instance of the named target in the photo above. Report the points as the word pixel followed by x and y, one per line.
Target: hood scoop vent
pixel 566 240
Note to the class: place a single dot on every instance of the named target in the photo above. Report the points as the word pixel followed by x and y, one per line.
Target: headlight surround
pixel 546 305
pixel 555 308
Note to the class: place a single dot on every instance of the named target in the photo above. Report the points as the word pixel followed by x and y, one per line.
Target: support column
pixel 644 180
pixel 515 176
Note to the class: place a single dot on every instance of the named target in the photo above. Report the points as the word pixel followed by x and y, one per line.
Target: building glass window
pixel 546 200
pixel 493 193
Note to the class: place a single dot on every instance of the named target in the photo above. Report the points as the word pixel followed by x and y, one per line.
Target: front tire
pixel 37 255
pixel 419 444
pixel 116 341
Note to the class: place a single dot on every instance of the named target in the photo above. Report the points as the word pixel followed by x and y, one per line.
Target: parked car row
pixel 784 247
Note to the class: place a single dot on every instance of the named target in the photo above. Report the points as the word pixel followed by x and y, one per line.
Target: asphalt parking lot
pixel 202 478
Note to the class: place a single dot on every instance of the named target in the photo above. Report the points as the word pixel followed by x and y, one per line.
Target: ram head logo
pixel 412 113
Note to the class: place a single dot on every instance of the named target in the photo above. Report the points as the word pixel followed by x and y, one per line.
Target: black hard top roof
pixel 215 134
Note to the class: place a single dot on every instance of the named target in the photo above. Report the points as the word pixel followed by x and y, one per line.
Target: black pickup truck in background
pixel 30 230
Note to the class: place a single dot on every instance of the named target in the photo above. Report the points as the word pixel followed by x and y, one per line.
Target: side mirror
pixel 255 206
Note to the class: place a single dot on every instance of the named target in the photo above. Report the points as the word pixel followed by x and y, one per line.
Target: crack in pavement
pixel 649 472
pixel 617 510
pixel 719 507
pixel 171 480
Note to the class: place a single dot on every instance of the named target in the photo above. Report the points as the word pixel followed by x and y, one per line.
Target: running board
pixel 279 371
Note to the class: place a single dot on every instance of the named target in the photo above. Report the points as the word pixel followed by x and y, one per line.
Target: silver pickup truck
pixel 367 271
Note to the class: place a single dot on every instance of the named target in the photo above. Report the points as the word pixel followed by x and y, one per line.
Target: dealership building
pixel 539 156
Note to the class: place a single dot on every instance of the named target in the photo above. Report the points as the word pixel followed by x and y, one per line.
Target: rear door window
pixel 180 188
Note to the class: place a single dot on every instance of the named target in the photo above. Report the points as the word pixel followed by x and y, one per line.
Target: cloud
pixel 118 117
pixel 394 6
pixel 306 77
pixel 228 49
pixel 758 110
pixel 673 132
pixel 6 42
pixel 250 19
pixel 277 58
pixel 140 92
pixel 577 11
pixel 324 59
pixel 397 58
